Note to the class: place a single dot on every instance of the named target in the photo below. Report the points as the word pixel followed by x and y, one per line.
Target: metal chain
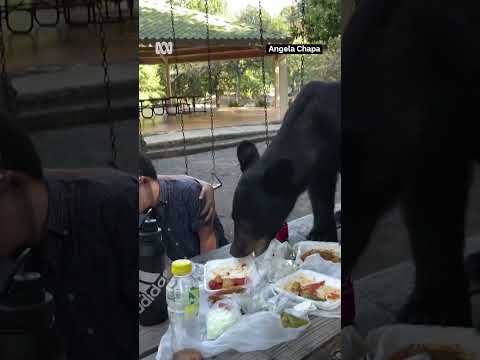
pixel 182 124
pixel 3 62
pixel 302 56
pixel 262 41
pixel 106 80
pixel 210 90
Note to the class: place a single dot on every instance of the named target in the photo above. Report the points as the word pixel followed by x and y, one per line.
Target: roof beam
pixel 152 58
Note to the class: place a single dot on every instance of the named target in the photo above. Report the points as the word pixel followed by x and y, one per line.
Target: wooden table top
pixel 322 336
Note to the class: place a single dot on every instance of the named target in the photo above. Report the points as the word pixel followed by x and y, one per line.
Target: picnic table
pixel 321 340
pixel 148 108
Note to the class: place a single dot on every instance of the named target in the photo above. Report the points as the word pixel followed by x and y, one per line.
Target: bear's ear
pixel 278 178
pixel 247 154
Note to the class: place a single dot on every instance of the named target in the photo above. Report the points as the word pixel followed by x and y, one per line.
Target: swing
pixel 106 79
pixel 107 83
pixel 215 180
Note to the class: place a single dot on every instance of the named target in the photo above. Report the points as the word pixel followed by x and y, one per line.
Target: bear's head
pixel 263 199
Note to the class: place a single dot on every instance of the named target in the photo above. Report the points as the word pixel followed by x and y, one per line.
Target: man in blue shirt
pixel 185 208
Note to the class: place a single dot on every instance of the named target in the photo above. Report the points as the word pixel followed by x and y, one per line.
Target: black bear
pixel 410 95
pixel 305 154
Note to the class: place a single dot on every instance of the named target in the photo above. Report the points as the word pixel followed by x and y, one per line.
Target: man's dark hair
pixel 17 151
pixel 146 168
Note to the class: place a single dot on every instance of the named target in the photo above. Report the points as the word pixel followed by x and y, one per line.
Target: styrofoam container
pixel 220 265
pixel 303 246
pixel 316 277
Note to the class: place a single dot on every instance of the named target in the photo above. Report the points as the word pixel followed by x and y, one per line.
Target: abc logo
pixel 164 48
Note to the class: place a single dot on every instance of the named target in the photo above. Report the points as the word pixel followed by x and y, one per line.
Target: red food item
pixel 216 283
pixel 333 296
pixel 282 234
pixel 313 287
pixel 213 285
pixel 239 281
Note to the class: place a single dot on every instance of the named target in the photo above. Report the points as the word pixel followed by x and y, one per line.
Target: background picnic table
pixel 321 340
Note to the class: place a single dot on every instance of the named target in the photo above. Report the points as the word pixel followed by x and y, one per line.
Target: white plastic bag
pixel 246 335
pixel 221 316
pixel 318 264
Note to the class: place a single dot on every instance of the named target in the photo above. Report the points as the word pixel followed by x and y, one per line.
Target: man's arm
pixel 207 195
pixel 205 230
pixel 208 239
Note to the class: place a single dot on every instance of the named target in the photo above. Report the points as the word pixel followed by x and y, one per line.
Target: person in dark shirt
pixel 82 227
pixel 191 226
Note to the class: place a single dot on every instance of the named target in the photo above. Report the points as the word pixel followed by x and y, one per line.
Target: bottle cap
pixel 181 267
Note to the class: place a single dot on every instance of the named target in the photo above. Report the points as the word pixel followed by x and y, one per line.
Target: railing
pixel 150 108
pixel 20 16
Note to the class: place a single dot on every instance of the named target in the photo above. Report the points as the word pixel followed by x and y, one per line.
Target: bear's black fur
pixel 305 154
pixel 410 133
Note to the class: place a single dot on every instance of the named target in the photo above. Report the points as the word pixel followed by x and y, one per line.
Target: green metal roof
pixel 156 25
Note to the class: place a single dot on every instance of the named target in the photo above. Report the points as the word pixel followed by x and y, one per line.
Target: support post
pixel 275 78
pixel 283 85
pixel 167 77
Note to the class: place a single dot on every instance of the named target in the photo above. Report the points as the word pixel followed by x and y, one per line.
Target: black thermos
pixel 152 285
pixel 27 319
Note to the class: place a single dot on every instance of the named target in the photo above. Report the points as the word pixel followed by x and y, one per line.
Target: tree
pixel 217 7
pixel 322 19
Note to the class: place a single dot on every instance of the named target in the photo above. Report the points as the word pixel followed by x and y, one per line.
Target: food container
pixel 314 277
pixel 302 247
pixel 230 268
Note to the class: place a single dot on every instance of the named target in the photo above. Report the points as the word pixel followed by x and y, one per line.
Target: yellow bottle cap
pixel 181 267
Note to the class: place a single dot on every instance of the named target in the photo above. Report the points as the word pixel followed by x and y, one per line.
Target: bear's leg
pixel 434 210
pixel 322 196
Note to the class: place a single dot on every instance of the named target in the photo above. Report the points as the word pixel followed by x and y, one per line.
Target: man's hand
pixel 207 193
pixel 187 354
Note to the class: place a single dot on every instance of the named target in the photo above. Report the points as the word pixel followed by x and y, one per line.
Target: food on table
pixel 313 290
pixel 435 352
pixel 220 317
pixel 290 321
pixel 221 294
pixel 329 255
pixel 226 278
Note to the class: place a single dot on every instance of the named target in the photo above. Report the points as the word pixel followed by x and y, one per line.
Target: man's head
pixel 262 200
pixel 21 176
pixel 148 191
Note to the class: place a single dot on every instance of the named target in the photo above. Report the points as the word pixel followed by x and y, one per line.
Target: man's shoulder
pixel 180 186
pixel 95 184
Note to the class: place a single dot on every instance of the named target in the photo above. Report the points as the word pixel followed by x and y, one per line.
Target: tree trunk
pixel 238 78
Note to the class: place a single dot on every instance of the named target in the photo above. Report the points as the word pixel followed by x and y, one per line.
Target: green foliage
pixel 250 16
pixel 151 81
pixel 243 78
pixel 217 7
pixel 325 67
pixel 322 20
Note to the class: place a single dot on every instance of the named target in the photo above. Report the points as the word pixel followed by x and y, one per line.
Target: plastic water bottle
pixel 183 301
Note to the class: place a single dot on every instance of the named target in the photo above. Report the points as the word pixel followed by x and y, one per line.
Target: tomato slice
pixel 333 296
pixel 314 286
pixel 239 281
pixel 214 285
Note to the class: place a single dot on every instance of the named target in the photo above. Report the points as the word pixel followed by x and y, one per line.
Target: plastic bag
pixel 354 346
pixel 276 262
pixel 318 264
pixel 221 316
pixel 246 335
pixel 387 340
